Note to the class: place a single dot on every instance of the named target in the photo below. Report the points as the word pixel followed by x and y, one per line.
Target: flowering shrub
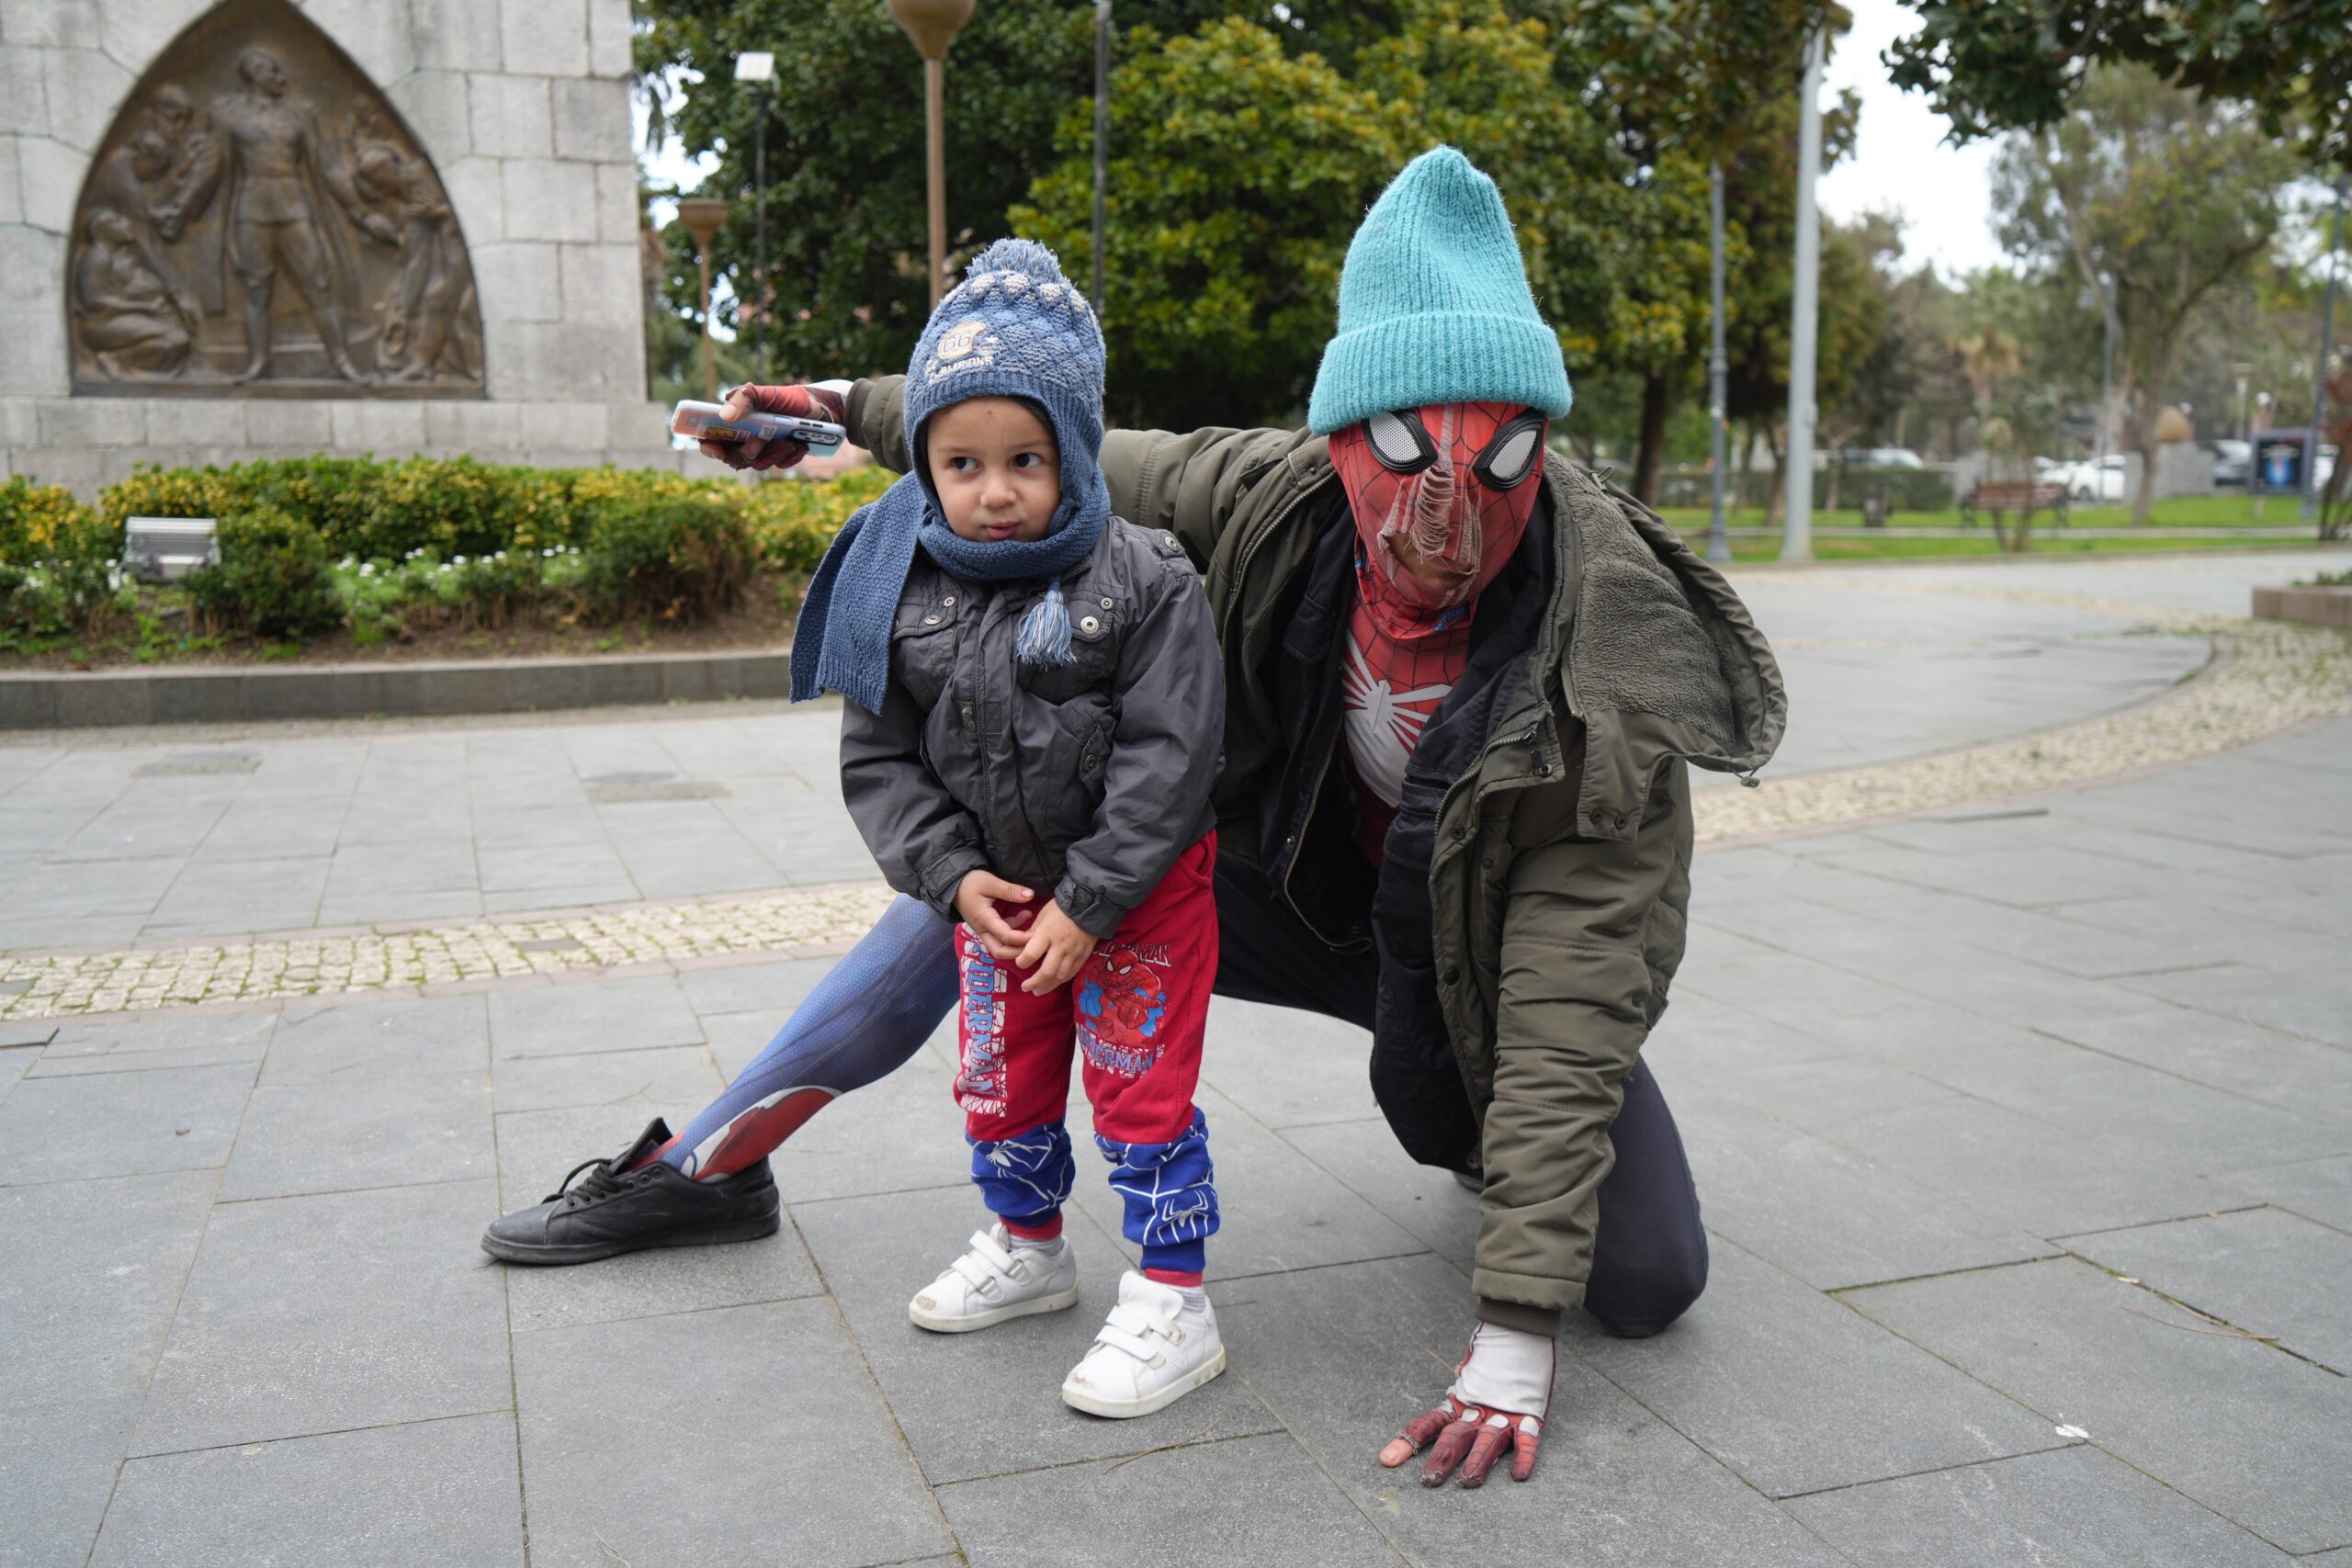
pixel 390 549
pixel 58 575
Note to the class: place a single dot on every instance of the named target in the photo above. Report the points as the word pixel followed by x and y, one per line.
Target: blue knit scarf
pixel 843 641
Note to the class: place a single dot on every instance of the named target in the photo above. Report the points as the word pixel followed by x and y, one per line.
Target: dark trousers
pixel 1649 1259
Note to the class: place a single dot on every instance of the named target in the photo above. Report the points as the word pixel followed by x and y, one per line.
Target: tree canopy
pixel 1994 65
pixel 2163 190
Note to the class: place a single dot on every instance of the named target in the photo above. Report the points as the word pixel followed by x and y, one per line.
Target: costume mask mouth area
pixel 1452 484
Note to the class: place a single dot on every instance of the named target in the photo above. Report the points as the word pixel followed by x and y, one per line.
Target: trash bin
pixel 1874 511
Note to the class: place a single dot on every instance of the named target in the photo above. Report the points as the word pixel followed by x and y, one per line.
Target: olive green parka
pixel 1560 875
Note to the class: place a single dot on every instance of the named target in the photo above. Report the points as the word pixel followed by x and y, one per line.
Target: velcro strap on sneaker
pixel 985 1261
pixel 1131 1329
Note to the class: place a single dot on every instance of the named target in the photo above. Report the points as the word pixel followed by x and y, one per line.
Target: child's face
pixel 996 471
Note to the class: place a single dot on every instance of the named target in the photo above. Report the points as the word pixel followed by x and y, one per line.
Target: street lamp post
pixel 1796 527
pixel 756 70
pixel 2319 372
pixel 2106 369
pixel 933 26
pixel 701 214
pixel 1102 137
pixel 1718 367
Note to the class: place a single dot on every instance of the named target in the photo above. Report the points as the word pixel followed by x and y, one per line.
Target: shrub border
pixel 232 695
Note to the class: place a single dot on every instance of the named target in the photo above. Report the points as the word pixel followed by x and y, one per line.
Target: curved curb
pixel 2267 676
pixel 106 698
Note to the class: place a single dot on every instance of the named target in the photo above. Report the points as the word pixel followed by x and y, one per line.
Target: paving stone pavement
pixel 2023 1133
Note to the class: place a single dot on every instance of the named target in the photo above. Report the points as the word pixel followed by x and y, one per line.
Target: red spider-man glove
pixel 799 401
pixel 1500 1398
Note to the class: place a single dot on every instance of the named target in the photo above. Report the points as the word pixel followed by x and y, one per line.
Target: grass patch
pixel 2181 511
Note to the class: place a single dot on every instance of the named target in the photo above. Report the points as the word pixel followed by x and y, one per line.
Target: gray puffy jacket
pixel 1089 778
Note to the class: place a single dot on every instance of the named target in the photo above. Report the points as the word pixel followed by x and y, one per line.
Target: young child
pixel 1034 720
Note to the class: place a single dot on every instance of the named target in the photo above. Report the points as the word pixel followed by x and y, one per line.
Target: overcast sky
pixel 1900 163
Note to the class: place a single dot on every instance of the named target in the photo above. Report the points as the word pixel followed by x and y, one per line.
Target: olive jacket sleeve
pixel 1592 932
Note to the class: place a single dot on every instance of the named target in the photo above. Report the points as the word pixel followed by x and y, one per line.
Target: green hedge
pixel 311 543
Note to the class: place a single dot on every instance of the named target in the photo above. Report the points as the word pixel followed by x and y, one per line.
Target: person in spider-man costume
pixel 1465 682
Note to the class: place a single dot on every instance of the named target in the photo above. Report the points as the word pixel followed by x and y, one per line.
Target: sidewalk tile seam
pixel 1942 1470
pixel 241 1443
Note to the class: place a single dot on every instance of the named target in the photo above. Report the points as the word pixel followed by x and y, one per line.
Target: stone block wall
pixel 522 107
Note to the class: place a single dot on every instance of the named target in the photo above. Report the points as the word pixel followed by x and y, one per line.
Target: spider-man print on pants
pixel 1134 1015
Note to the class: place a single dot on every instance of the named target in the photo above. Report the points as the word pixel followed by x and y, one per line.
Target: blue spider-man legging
pixel 864 1021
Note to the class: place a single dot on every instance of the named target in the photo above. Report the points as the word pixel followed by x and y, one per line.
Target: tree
pixel 1995 66
pixel 847 225
pixel 2168 192
pixel 1240 171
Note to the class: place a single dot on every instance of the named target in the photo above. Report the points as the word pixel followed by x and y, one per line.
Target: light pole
pixel 1718 367
pixel 2319 371
pixel 756 70
pixel 933 26
pixel 2106 281
pixel 1101 138
pixel 701 214
pixel 1796 528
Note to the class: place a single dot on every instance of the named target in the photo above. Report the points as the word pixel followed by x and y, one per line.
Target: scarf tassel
pixel 1044 639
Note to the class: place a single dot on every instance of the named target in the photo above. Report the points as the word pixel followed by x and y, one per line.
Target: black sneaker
pixel 621 1205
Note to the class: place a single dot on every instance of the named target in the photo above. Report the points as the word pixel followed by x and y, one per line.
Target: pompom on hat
pixel 1434 306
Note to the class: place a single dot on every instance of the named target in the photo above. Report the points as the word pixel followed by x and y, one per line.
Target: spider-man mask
pixel 1447 488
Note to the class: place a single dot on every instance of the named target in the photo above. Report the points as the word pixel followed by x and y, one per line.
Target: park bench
pixel 2004 497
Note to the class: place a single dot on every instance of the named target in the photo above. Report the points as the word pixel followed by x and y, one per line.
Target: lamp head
pixel 701 214
pixel 931 24
pixel 755 67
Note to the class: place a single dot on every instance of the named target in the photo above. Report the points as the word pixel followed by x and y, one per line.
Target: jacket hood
pixel 1658 635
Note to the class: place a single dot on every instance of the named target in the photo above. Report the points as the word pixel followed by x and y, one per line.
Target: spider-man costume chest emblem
pixel 1121 1002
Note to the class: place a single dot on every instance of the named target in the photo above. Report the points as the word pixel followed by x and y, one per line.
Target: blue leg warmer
pixel 1024 1180
pixel 1170 1195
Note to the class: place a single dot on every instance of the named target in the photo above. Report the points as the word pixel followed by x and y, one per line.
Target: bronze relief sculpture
pixel 237 236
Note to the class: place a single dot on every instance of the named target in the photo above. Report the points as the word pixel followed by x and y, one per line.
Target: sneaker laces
pixel 1129 1328
pixel 984 1262
pixel 603 1182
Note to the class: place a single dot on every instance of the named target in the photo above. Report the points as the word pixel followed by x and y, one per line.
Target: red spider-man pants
pixel 1135 1014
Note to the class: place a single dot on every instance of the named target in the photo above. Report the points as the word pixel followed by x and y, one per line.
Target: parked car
pixel 1877 458
pixel 2093 480
pixel 2232 461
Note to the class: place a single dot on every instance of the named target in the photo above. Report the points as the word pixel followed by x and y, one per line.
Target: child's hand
pixel 975 899
pixel 1058 946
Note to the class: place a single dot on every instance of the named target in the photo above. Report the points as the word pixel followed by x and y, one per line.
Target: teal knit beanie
pixel 1434 306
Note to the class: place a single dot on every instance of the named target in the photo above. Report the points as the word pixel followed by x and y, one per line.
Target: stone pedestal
pixel 501 136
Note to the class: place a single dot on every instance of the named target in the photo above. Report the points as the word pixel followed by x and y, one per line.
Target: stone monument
pixel 245 230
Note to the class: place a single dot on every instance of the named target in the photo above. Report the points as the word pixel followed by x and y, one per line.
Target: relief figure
pixel 132 320
pixel 276 166
pixel 428 318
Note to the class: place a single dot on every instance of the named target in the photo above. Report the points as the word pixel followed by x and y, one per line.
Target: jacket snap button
pixel 930 620
pixel 1542 768
pixel 1106 603
pixel 1458 832
pixel 1453 975
pixel 1088 624
pixel 948 603
pixel 1621 823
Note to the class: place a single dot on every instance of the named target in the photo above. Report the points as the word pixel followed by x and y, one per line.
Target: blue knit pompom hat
pixel 1434 306
pixel 1016 327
